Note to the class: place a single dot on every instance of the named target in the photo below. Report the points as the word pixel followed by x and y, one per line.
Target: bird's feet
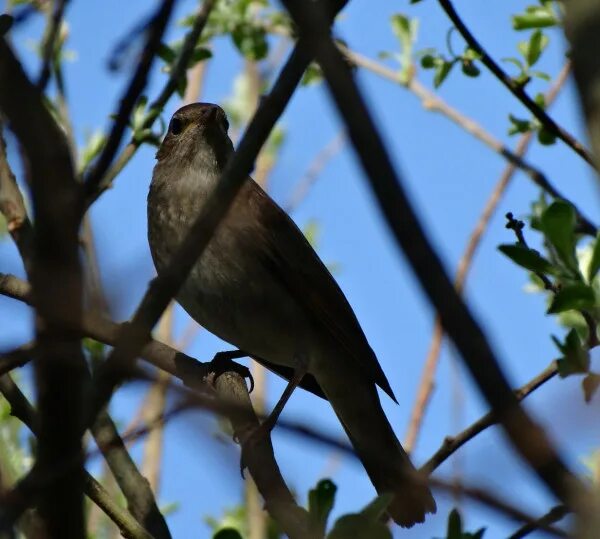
pixel 223 362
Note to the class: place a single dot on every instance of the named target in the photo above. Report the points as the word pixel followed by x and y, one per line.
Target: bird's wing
pixel 291 260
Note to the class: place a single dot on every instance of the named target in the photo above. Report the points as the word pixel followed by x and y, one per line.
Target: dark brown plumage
pixel 260 286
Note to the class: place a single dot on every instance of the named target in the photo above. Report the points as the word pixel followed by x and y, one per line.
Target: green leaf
pixel 545 136
pixel 405 29
pixel 442 70
pixel 166 53
pixel 589 385
pixel 228 533
pixel 470 69
pixel 200 54
pixel 251 41
pixel 94 144
pixel 576 357
pixel 320 504
pixel 518 125
pixel 594 265
pixel 377 508
pixel 312 75
pixel 353 526
pixel 139 113
pixel 534 17
pixel 532 49
pixel 558 225
pixel 428 61
pixel 527 258
pixel 454 530
pixel 578 296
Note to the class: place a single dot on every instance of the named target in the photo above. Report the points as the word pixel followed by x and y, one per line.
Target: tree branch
pixel 129 99
pixel 93 190
pixel 516 89
pixel 528 438
pixel 12 207
pixel 453 443
pixel 57 286
pixel 229 386
pixel 22 410
pixel 582 28
pixel 554 515
pixel 431 362
pixel 434 102
pixel 51 38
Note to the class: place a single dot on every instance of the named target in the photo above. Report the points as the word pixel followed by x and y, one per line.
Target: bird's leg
pixel 271 420
pixel 265 428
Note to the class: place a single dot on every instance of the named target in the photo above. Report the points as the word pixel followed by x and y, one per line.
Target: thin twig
pixel 554 515
pixel 435 103
pixel 104 181
pixel 22 410
pixel 427 379
pixel 494 502
pixel 516 89
pixel 131 95
pixel 314 169
pixel 528 438
pixel 50 41
pixel 12 207
pixel 452 443
pixel 133 485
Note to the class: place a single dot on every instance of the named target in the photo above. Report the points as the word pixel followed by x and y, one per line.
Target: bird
pixel 260 286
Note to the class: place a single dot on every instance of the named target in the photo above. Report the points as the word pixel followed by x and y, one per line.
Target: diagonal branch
pixel 431 362
pixel 134 90
pixel 93 190
pixel 50 41
pixel 434 102
pixel 516 89
pixel 22 410
pixel 452 443
pixel 230 387
pixel 528 438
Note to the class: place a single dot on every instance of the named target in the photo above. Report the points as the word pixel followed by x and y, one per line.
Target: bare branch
pixel 21 409
pixel 516 89
pixel 554 515
pixel 453 443
pixel 314 169
pixel 431 362
pixel 57 287
pixel 486 498
pixel 235 405
pixel 582 24
pixel 50 41
pixel 528 438
pixel 133 92
pixel 12 207
pixel 103 181
pixel 135 488
pixel 435 103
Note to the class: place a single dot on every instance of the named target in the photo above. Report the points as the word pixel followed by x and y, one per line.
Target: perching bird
pixel 260 286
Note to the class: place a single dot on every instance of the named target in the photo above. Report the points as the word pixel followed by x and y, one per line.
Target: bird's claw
pixel 223 362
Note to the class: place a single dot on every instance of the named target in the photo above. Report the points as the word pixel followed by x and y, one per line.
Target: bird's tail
pixel 356 403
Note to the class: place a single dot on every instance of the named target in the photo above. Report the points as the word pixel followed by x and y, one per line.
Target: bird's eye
pixel 225 123
pixel 176 126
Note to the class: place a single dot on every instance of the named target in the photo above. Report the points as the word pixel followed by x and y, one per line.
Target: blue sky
pixel 448 175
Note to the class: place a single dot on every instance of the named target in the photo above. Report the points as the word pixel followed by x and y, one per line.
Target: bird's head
pixel 196 129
